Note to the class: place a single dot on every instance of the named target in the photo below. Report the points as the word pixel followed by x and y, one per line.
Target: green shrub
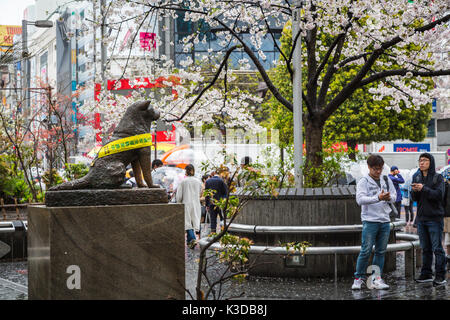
pixel 12 185
pixel 56 179
pixel 75 171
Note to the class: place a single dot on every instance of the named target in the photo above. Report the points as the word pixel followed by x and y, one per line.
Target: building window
pixel 431 128
pixel 209 40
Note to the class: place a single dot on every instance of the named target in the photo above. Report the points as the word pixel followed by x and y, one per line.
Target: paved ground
pixel 267 288
pixel 14 279
pixel 321 289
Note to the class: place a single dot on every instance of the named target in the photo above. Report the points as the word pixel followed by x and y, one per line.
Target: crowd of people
pixel 199 208
pixel 381 200
pixel 189 191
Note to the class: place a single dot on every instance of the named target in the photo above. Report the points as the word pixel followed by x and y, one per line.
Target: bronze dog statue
pixel 108 172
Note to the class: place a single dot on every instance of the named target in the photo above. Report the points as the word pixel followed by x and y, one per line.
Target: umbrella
pixel 168 177
pixel 406 174
pixel 360 169
pixel 162 146
pixel 445 171
pixel 183 155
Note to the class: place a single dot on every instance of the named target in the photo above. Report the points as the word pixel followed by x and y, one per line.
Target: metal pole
pixel 95 41
pixel 24 61
pixel 49 127
pixel 156 150
pixel 102 45
pixel 297 95
pixel 335 268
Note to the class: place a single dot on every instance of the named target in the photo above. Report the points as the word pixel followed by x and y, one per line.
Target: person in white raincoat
pixel 189 192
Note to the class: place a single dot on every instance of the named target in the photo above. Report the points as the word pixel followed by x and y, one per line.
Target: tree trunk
pixel 351 144
pixel 314 158
pixel 282 172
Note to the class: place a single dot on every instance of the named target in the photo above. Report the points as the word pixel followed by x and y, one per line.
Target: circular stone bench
pixel 410 246
pixel 310 209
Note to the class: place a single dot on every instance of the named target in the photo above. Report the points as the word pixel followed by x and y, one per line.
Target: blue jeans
pixel 213 213
pixel 373 233
pixel 190 235
pixel 430 236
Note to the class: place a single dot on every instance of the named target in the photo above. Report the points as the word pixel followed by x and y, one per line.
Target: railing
pixel 13 230
pixel 410 246
pixel 6 226
pixel 245 228
pixel 414 242
pixel 12 211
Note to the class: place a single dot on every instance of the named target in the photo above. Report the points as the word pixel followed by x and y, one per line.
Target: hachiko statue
pixel 130 143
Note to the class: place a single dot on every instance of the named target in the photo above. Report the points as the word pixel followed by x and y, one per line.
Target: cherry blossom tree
pixel 372 38
pixel 45 128
pixel 171 99
pixel 16 131
pixel 369 36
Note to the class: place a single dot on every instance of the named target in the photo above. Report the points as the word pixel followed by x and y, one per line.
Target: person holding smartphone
pixel 374 200
pixel 429 191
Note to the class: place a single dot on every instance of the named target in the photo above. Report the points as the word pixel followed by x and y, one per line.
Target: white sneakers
pixel 377 283
pixel 357 283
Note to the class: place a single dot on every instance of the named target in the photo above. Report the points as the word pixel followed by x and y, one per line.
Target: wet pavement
pixel 401 288
pixel 267 288
pixel 14 279
pixel 320 288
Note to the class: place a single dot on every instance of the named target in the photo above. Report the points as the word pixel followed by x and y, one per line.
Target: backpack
pixel 445 202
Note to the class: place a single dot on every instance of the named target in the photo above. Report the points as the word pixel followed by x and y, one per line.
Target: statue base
pixel 103 197
pixel 106 252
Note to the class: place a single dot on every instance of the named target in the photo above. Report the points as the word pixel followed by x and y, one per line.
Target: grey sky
pixel 11 12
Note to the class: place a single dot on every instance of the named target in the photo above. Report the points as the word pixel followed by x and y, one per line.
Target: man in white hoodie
pixel 373 194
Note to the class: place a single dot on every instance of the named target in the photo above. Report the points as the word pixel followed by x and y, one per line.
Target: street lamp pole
pixel 25 60
pixel 297 94
pixel 49 128
pixel 25 55
pixel 102 45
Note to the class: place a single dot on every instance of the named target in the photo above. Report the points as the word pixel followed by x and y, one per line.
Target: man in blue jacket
pixel 218 185
pixel 428 190
pixel 397 179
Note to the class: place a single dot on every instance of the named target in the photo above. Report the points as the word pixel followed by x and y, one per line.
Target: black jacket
pixel 217 184
pixel 430 199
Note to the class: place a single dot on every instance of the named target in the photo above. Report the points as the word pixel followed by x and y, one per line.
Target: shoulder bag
pixel 394 213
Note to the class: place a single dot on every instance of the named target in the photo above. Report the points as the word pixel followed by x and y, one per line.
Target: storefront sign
pixel 412 147
pixel 7 33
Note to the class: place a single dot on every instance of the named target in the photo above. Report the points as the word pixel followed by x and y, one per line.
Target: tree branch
pixel 260 68
pixel 222 65
pixel 288 65
pixel 402 72
pixel 350 59
pixel 358 81
pixel 331 70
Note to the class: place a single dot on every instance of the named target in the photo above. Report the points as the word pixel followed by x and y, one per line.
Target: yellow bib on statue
pixel 125 144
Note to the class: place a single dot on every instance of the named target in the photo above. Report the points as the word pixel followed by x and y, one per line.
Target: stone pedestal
pixel 106 252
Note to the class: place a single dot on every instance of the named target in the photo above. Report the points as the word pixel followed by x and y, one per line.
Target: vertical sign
pixel 147 40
